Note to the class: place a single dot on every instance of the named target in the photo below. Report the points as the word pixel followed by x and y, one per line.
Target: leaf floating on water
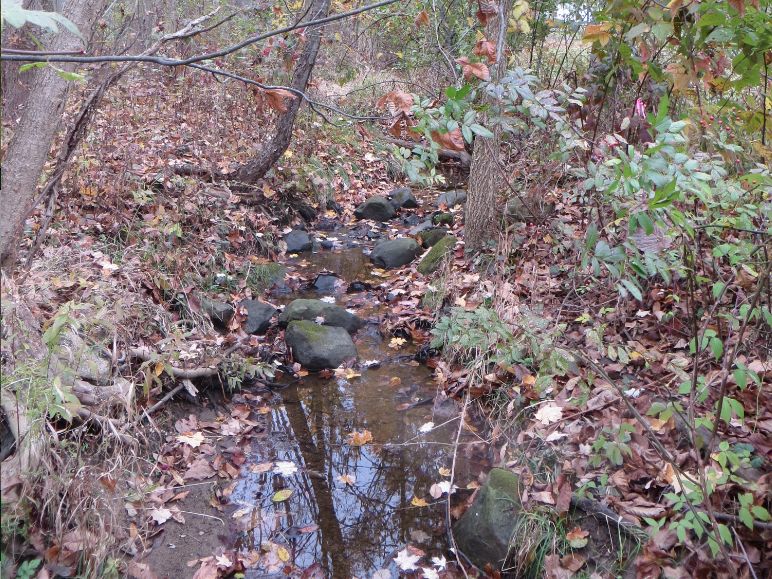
pixel 440 562
pixel 360 438
pixel 281 496
pixel 397 343
pixel 444 471
pixel 348 479
pixel 282 552
pixel 327 299
pixel 440 488
pixel 262 467
pixel 430 573
pixel 285 468
pixel 382 574
pixel 406 560
pixel 347 373
pixel 428 427
pixel 419 502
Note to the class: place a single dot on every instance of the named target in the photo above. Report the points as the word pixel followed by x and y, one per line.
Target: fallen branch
pixel 146 355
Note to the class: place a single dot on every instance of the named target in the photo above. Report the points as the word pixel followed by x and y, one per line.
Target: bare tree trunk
pixel 253 170
pixel 485 178
pixel 31 141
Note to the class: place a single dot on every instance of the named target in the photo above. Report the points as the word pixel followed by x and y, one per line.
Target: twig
pixel 146 355
pixel 451 538
pixel 163 400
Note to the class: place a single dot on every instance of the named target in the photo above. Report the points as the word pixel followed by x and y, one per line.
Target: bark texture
pixel 485 178
pixel 253 170
pixel 31 141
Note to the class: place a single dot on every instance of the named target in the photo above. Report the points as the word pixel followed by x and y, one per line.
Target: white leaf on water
pixel 440 562
pixel 285 468
pixel 328 299
pixel 430 573
pixel 426 427
pixel 440 488
pixel 406 560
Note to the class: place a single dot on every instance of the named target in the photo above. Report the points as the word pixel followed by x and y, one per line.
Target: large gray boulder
pixel 314 310
pixel 451 198
pixel 376 208
pixel 402 197
pixel 298 241
pixel 259 316
pixel 484 532
pixel 318 347
pixel 395 252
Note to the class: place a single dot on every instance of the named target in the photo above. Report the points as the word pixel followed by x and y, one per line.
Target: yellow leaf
pixel 444 471
pixel 159 368
pixel 348 479
pixel 418 502
pixel 282 495
pixel 282 553
pixel 397 343
pixel 597 32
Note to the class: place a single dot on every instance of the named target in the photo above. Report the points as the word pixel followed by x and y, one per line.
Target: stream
pixel 350 510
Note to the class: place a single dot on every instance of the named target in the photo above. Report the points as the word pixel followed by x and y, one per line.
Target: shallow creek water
pixel 355 527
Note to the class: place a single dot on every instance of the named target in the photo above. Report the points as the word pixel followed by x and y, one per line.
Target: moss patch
pixel 432 260
pixel 263 276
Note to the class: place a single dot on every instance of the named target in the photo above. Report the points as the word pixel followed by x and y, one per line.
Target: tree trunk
pixel 255 169
pixel 31 141
pixel 485 177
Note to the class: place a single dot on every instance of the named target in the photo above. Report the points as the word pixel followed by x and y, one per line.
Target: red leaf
pixel 453 140
pixel 395 102
pixel 473 69
pixel 422 19
pixel 486 48
pixel 277 98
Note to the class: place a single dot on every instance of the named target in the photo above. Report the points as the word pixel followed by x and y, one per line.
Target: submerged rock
pixel 318 347
pixel 451 198
pixel 485 530
pixel 325 283
pixel 432 260
pixel 395 252
pixel 259 316
pixel 402 197
pixel 298 241
pixel 221 313
pixel 313 310
pixel 377 208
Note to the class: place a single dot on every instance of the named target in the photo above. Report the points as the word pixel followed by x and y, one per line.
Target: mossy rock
pixel 485 530
pixel 430 237
pixel 432 260
pixel 318 347
pixel 443 219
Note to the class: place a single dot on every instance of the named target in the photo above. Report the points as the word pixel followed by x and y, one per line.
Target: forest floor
pixel 261 466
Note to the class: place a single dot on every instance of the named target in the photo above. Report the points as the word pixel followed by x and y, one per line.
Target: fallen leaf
pixel 285 468
pixel 548 414
pixel 428 427
pixel 397 343
pixel 406 561
pixel 360 438
pixel 160 515
pixel 282 495
pixel 193 440
pixel 419 502
pixel 199 469
pixel 348 479
pixel 577 537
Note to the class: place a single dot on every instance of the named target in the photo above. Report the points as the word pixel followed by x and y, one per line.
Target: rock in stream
pixel 318 347
pixel 313 310
pixel 395 252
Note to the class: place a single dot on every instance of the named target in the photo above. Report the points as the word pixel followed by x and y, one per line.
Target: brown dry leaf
pixel 278 98
pixel 193 439
pixel 422 19
pixel 600 32
pixel 573 562
pixel 473 69
pixel 208 569
pixel 452 140
pixel 199 469
pixel 554 570
pixel 486 48
pixel 396 101
pixel 139 571
pixel 577 537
